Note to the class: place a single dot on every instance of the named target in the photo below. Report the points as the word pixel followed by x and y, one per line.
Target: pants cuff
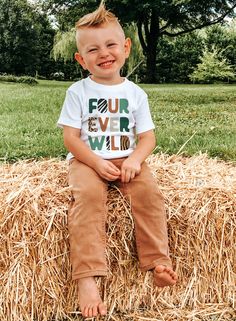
pixel 89 273
pixel 155 263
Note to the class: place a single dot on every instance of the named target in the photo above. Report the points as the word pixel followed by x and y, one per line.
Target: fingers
pixel 127 175
pixel 110 177
pixel 129 169
pixel 112 172
pixel 107 170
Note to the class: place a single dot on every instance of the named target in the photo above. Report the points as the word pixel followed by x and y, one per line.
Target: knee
pixel 148 191
pixel 89 193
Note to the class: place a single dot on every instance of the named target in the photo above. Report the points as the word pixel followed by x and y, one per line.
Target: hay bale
pixel 35 271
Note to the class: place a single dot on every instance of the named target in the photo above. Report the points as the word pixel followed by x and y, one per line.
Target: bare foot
pixel 89 299
pixel 164 276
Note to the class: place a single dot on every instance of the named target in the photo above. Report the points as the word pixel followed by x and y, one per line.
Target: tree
pixel 136 57
pixel 64 48
pixel 26 38
pixel 177 57
pixel 157 18
pixel 223 37
pixel 64 45
pixel 212 68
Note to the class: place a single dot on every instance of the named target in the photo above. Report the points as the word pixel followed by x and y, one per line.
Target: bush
pixel 27 80
pixel 213 68
pixel 9 78
pixel 24 79
pixel 59 75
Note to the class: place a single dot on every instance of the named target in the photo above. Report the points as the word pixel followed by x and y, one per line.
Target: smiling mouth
pixel 106 63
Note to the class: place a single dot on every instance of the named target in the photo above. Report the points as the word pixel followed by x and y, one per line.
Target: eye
pixel 92 50
pixel 112 44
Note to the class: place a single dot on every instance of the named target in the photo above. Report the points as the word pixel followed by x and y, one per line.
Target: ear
pixel 127 47
pixel 80 60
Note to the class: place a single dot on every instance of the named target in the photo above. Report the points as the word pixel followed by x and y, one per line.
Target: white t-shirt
pixel 109 116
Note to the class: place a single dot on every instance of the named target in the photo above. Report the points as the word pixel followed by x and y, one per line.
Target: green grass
pixel 205 113
pixel 28 117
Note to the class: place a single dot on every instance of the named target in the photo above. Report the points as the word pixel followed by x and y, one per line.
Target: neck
pixel 109 82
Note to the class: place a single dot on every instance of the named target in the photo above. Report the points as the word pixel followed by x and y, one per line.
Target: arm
pixel 132 165
pixel 82 152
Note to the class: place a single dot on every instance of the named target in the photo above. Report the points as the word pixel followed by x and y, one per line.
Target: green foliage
pixel 8 78
pixel 26 36
pixel 154 19
pixel 213 67
pixel 27 80
pixel 136 57
pixel 64 48
pixel 223 38
pixel 64 45
pixel 26 40
pixel 23 79
pixel 178 57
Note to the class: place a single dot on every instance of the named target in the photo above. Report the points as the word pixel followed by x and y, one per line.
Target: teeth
pixel 107 63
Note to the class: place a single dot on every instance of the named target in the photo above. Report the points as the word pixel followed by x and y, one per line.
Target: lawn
pixel 188 119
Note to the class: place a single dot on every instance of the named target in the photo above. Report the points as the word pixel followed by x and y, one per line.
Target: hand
pixel 129 169
pixel 107 170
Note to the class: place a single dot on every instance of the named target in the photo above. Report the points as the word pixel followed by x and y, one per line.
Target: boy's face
pixel 102 51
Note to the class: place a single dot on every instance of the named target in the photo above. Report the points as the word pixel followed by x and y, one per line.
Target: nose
pixel 104 52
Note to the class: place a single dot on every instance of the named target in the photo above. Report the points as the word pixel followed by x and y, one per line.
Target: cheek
pixel 121 54
pixel 89 62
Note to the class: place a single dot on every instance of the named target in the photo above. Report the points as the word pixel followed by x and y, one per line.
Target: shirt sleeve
pixel 71 111
pixel 142 115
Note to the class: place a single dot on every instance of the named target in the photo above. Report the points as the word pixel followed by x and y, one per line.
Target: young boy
pixel 101 118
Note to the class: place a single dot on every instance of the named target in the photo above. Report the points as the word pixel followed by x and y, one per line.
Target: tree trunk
pixel 151 70
pixel 152 35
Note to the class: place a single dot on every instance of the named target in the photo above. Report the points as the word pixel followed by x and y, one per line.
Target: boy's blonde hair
pixel 96 18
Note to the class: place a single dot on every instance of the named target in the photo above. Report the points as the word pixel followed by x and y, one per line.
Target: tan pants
pixel 87 217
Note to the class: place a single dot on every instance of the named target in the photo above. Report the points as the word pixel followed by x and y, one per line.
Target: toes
pixel 159 268
pixel 102 309
pixel 164 276
pixel 173 275
pixel 168 269
pixel 90 312
pixel 94 311
pixel 85 312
